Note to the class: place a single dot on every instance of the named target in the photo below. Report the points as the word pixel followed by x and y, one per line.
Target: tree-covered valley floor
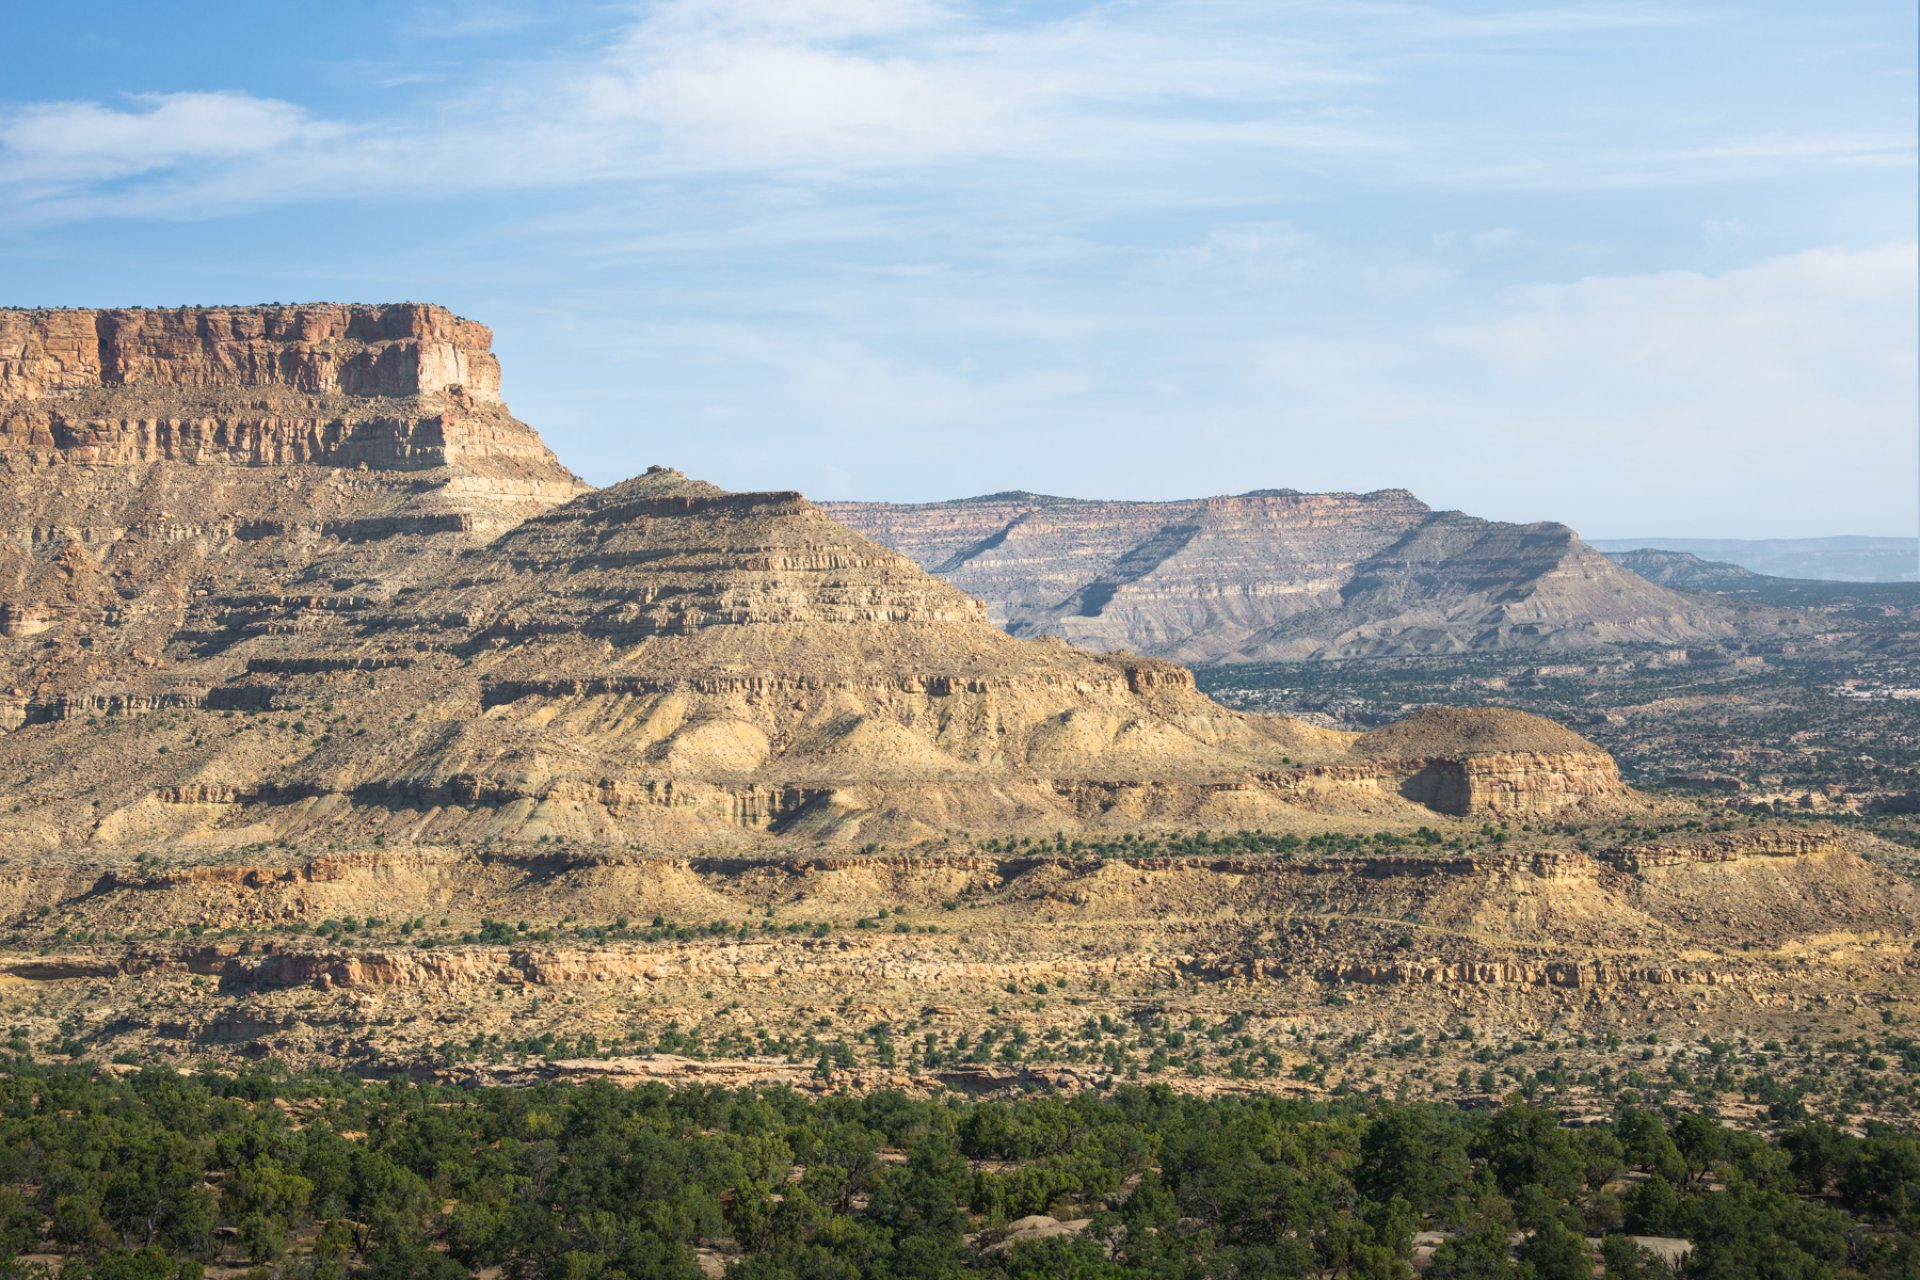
pixel 111 1175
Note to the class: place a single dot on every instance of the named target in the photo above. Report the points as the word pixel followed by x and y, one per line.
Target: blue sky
pixel 1649 269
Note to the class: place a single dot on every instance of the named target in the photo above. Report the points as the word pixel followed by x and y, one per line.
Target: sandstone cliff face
pixel 1277 575
pixel 163 469
pixel 387 351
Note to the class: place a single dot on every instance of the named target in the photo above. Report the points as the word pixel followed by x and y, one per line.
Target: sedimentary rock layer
pixel 392 352
pixel 161 471
pixel 668 661
pixel 1750 921
pixel 1276 575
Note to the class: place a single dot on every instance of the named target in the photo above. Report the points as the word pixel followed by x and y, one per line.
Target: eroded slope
pixel 1765 934
pixel 1276 575
pixel 663 660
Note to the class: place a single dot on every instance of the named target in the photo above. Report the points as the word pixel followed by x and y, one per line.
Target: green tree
pixel 1555 1252
pixel 1525 1144
pixel 1412 1154
pixel 1653 1208
pixel 1479 1253
pixel 1627 1260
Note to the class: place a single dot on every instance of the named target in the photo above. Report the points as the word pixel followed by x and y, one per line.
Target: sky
pixel 1644 268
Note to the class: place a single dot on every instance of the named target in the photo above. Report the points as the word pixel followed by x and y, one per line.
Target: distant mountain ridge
pixel 1277 574
pixel 1839 559
pixel 1684 570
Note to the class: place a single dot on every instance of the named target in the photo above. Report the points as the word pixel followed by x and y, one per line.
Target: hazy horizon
pixel 1621 265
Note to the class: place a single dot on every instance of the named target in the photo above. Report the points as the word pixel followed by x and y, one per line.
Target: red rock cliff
pixel 408 349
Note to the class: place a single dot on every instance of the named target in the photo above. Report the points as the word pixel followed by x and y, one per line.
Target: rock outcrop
pixel 165 470
pixel 1490 763
pixel 301 633
pixel 1279 575
pixel 393 351
pixel 1751 929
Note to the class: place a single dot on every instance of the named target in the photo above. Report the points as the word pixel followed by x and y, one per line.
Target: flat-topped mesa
pixel 399 350
pixel 164 473
pixel 402 387
pixel 406 387
pixel 1276 575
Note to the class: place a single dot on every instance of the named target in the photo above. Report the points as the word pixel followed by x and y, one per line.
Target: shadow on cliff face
pixel 1441 786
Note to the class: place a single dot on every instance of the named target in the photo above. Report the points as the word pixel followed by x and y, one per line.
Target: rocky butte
pixel 1276 575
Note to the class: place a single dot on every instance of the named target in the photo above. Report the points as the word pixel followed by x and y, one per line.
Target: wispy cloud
pixel 1611 402
pixel 810 88
pixel 1431 22
pixel 806 90
pixel 1535 259
pixel 1606 169
pixel 840 90
pixel 53 146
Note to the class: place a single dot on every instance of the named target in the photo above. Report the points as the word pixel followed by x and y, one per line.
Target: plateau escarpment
pixel 1277 575
pixel 165 475
pixel 294 573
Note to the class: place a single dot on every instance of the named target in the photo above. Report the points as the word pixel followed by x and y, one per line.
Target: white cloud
pixel 1226 242
pixel 1615 169
pixel 1549 20
pixel 790 89
pixel 807 19
pixel 87 141
pixel 850 91
pixel 1776 397
pixel 1812 320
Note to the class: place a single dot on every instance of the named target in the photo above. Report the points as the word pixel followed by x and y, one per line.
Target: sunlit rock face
pixel 1276 575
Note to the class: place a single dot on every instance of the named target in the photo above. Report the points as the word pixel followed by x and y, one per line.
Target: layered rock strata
pixel 392 352
pixel 1744 929
pixel 163 470
pixel 1278 575
pixel 296 574
pixel 665 660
